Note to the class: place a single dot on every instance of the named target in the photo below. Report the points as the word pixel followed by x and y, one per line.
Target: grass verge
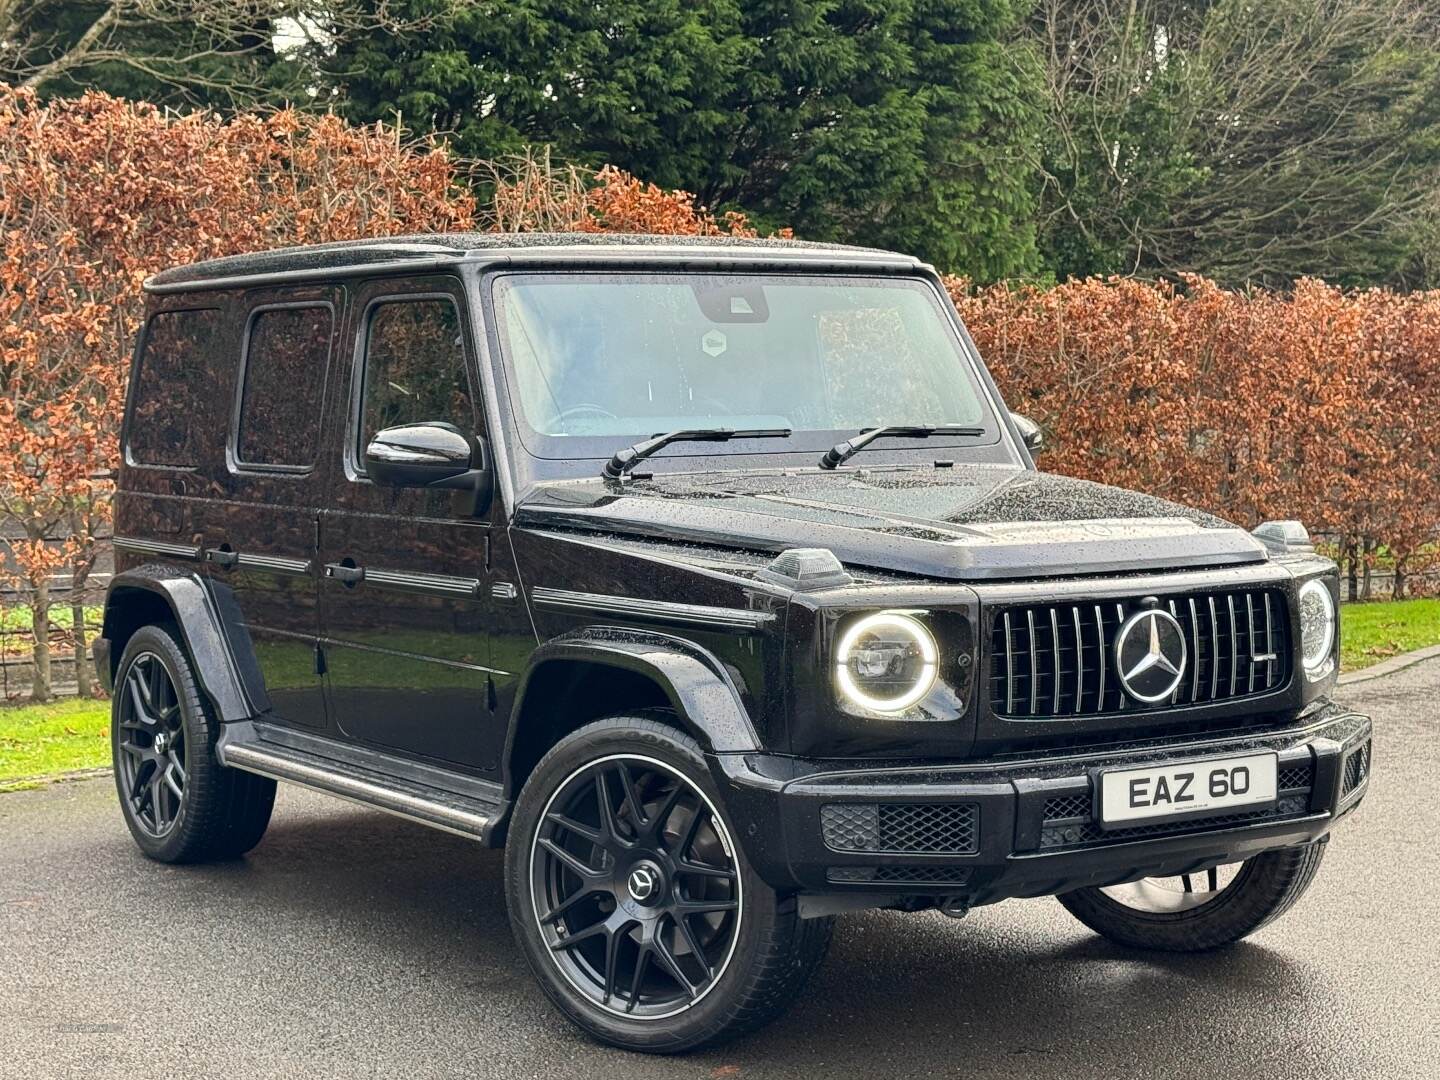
pixel 39 741
pixel 1377 631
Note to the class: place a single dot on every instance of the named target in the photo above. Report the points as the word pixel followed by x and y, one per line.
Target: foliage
pixel 39 741
pixel 897 122
pixel 95 195
pixel 1252 143
pixel 1314 405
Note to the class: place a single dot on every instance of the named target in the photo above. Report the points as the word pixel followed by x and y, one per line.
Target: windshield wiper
pixel 842 452
pixel 625 460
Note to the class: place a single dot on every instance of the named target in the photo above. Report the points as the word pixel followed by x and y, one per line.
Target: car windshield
pixel 602 360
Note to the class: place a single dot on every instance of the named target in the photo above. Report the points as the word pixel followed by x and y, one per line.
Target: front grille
pixel 1058 661
pixel 1357 768
pixel 899 875
pixel 916 828
pixel 1068 822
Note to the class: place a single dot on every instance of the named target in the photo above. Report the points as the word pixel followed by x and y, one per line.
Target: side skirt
pixel 452 802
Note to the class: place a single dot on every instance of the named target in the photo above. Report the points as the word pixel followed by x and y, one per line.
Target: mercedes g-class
pixel 712 579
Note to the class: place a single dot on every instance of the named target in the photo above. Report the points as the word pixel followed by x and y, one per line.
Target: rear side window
pixel 414 367
pixel 283 381
pixel 175 389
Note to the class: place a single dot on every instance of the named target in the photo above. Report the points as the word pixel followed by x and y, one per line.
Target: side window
pixel 171 402
pixel 283 380
pixel 414 367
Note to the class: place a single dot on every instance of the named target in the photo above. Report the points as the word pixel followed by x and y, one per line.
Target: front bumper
pixel 979 833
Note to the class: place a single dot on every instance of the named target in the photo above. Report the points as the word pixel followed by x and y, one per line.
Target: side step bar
pixel 240 747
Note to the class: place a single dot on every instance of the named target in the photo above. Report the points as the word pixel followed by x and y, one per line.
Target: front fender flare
pixel 697 684
pixel 208 619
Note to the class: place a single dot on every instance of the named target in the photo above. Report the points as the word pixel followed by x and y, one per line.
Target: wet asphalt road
pixel 350 944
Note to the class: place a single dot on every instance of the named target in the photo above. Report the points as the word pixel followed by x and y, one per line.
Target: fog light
pixel 886 662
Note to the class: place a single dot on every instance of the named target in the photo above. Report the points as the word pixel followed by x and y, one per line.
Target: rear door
pixel 405 600
pixel 259 536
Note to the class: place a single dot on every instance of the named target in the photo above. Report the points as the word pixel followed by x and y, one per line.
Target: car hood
pixel 966 523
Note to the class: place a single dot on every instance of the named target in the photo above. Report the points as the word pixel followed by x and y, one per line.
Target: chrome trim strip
pixel 409 581
pixel 664 611
pixel 278 564
pixel 1195 637
pixel 1079 661
pixel 156 547
pixel 1175 614
pixel 1119 663
pixel 1214 651
pixel 1234 644
pixel 277 767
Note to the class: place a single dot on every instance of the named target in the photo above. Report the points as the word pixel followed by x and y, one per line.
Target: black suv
pixel 713 580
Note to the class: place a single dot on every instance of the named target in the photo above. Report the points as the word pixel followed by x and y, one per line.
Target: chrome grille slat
pixel 1009 667
pixel 1055 640
pixel 1034 659
pixel 1095 690
pixel 1214 651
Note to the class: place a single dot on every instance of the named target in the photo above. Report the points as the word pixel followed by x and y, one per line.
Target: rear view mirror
pixel 1030 433
pixel 432 455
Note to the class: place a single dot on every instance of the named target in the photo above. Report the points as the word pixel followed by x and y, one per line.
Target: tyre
pixel 180 803
pixel 634 906
pixel 1200 911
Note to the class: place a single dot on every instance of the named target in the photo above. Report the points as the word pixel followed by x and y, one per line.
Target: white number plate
pixel 1189 789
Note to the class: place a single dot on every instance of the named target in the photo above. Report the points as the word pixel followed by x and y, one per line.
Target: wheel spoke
pixel 627 784
pixel 139 783
pixel 672 965
pixel 1185 878
pixel 1214 878
pixel 612 962
pixel 609 823
pixel 689 866
pixel 691 831
pixel 155 688
pixel 142 718
pixel 642 964
pixel 579 828
pixel 569 941
pixel 157 797
pixel 585 872
pixel 683 922
pixel 663 813
pixel 173 784
pixel 569 902
pixel 703 907
pixel 177 767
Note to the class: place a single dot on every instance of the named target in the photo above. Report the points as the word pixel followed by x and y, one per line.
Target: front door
pixel 404 588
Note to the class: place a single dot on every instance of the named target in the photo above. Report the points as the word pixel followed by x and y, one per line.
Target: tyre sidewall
pixel 760 906
pixel 195 721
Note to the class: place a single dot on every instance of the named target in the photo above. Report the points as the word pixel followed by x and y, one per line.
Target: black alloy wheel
pixel 635 886
pixel 179 802
pixel 153 759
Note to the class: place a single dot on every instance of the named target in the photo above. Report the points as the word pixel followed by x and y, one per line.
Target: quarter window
pixel 172 401
pixel 414 368
pixel 284 378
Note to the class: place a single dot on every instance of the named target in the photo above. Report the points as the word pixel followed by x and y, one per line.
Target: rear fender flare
pixel 210 629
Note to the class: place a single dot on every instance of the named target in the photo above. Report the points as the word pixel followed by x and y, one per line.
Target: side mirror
pixel 1030 433
pixel 435 455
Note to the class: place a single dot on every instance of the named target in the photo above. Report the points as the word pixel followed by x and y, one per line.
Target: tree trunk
pixel 1352 568
pixel 77 633
pixel 40 632
pixel 1397 591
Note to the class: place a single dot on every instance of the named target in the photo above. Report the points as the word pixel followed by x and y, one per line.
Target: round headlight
pixel 885 662
pixel 1317 626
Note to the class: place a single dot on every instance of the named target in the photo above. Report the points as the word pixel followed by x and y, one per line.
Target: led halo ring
pixel 1317 585
pixel 906 625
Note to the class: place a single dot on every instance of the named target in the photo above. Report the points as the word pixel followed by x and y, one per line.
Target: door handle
pixel 347 575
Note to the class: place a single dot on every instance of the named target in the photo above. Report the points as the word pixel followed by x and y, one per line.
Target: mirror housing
pixel 1030 433
pixel 430 455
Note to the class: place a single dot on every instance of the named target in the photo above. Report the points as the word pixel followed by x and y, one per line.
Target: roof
pixel 431 250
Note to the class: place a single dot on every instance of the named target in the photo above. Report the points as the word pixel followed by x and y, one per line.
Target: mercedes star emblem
pixel 1150 655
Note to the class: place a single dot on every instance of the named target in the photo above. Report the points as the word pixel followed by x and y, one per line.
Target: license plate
pixel 1187 789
